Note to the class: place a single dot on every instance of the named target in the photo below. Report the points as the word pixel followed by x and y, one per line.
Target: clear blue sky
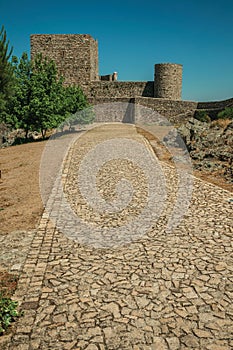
pixel 133 35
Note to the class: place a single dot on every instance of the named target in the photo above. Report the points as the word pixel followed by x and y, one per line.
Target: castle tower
pixel 168 81
pixel 76 55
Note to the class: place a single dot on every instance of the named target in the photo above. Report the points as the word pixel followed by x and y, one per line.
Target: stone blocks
pixel 168 81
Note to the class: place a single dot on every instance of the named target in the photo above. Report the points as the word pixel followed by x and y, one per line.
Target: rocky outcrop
pixel 210 145
pixel 10 137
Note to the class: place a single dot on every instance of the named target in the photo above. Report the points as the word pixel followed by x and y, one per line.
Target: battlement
pixel 76 57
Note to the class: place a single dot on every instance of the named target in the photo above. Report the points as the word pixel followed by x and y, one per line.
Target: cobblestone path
pixel 165 290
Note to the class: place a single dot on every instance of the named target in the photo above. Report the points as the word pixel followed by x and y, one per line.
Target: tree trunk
pixel 43 131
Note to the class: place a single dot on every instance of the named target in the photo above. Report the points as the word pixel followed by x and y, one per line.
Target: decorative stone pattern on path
pixel 163 291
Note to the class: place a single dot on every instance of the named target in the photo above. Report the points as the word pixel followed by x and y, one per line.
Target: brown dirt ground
pixel 20 204
pixel 8 283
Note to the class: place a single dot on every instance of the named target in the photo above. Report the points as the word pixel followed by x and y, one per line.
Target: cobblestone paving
pixel 14 247
pixel 165 290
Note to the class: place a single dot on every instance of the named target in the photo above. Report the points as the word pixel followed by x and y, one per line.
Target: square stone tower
pixel 76 55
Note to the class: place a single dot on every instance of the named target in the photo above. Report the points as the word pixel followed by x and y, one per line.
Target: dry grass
pixel 159 149
pixel 222 123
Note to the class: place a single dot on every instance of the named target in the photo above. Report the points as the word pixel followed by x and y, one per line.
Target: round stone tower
pixel 168 81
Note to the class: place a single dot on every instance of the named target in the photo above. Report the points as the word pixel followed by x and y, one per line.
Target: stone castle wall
pixel 94 62
pixel 75 55
pixel 168 81
pixel 117 89
pixel 216 104
pixel 171 110
pixel 114 109
pixel 213 108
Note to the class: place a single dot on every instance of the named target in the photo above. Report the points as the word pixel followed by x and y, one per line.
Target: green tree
pixel 6 74
pixel 19 106
pixel 38 101
pixel 47 95
pixel 78 110
pixel 41 102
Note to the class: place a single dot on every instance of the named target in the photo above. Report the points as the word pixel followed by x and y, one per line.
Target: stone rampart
pixel 213 108
pixel 76 57
pixel 216 104
pixel 98 89
pixel 171 110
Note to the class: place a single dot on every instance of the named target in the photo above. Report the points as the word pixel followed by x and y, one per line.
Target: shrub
pixel 8 312
pixel 202 116
pixel 227 113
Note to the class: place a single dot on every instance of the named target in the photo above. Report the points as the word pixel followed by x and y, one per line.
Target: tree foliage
pixel 6 74
pixel 32 95
pixel 41 102
pixel 47 95
pixel 79 112
pixel 202 116
pixel 19 110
